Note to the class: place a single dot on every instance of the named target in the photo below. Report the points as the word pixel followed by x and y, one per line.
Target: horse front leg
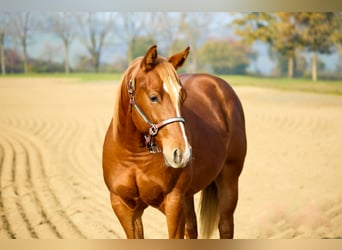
pixel 174 212
pixel 190 219
pixel 129 217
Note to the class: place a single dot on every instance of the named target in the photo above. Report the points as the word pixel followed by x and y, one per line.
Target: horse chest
pixel 135 186
pixel 151 192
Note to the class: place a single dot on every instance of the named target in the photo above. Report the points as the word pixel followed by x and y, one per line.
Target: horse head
pixel 156 97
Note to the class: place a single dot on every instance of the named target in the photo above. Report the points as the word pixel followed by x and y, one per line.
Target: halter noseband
pixel 154 127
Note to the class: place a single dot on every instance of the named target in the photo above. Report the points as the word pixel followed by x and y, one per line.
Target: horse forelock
pixel 171 84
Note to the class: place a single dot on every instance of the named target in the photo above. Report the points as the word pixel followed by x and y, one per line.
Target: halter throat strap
pixel 154 127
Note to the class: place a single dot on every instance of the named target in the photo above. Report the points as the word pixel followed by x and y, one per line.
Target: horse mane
pixel 117 99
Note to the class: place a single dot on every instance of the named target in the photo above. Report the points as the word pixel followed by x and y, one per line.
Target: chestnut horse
pixel 170 137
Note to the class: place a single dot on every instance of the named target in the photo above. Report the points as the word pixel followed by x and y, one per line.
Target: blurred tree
pixel 286 38
pixel 192 29
pixel 132 24
pixel 45 66
pixel 299 65
pixel 225 56
pixel 23 25
pixel 177 45
pixel 319 33
pixel 94 29
pixel 3 32
pixel 163 26
pixel 2 52
pixel 286 32
pixel 276 29
pixel 13 61
pixel 84 64
pixel 254 26
pixel 140 45
pixel 62 24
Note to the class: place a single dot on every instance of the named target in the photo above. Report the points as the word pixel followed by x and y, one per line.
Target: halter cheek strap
pixel 154 127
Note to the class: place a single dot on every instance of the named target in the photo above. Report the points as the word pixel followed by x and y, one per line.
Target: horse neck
pixel 124 130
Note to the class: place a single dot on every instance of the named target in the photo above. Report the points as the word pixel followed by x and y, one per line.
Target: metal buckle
pixel 153 129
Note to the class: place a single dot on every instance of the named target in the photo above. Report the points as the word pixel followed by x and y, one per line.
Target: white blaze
pixel 174 92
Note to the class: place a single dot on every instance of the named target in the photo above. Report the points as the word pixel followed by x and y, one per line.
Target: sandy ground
pixel 51 186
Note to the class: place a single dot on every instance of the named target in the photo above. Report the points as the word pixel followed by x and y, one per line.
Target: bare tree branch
pixel 23 24
pixel 132 25
pixel 94 29
pixel 62 24
pixel 3 32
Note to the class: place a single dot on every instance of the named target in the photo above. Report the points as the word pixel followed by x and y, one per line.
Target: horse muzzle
pixel 177 158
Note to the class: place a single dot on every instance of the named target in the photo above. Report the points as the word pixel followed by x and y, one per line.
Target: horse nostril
pixel 177 156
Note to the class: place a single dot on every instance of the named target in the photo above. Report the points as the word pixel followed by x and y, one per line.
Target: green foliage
pixel 177 45
pixel 320 31
pixel 140 45
pixel 299 66
pixel 285 36
pixel 255 26
pixel 224 56
pixel 276 29
pixel 84 64
pixel 14 64
pixel 288 32
pixel 43 66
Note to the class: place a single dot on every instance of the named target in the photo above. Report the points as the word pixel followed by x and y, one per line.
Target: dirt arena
pixel 51 185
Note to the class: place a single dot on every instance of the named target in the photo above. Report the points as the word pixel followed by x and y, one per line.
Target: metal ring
pixel 153 129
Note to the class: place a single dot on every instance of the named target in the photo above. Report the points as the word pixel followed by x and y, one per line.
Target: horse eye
pixel 154 98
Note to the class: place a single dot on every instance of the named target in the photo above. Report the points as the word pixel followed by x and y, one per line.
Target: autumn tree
pixel 254 26
pixel 225 56
pixel 320 32
pixel 317 32
pixel 277 29
pixel 285 39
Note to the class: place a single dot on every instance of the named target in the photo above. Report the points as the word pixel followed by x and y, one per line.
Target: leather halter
pixel 154 127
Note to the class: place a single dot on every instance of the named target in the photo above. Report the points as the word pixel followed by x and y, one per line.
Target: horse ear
pixel 149 60
pixel 177 60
